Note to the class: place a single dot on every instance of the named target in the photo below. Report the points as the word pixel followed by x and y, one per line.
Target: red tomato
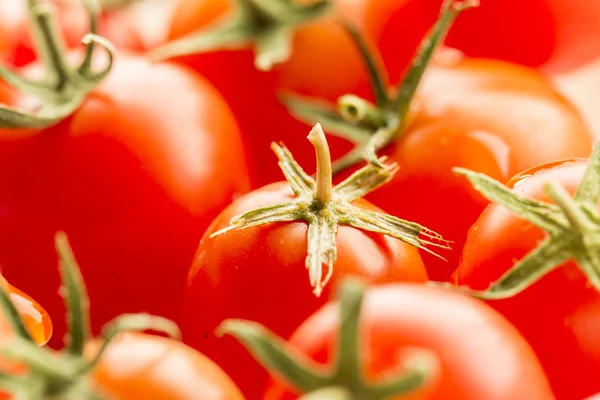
pixel 259 274
pixel 140 366
pixel 134 177
pixel 20 50
pixel 487 116
pixel 34 317
pixel 481 355
pixel 561 310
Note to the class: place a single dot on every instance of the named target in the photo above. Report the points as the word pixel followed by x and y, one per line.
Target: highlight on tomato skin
pixel 35 317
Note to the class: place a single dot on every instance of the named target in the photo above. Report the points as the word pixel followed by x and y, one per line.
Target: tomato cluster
pixel 447 245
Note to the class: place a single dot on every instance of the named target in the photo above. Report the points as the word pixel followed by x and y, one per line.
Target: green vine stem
pixel 372 126
pixel 64 87
pixel 345 381
pixel 54 374
pixel 572 226
pixel 267 25
pixel 325 207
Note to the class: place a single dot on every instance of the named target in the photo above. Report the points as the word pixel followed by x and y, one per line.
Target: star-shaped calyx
pixel 65 374
pixel 372 126
pixel 572 226
pixel 266 25
pixel 345 380
pixel 64 87
pixel 325 208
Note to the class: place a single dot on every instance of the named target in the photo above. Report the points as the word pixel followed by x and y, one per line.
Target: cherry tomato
pixel 488 116
pixel 34 317
pixel 259 274
pixel 135 179
pixel 481 355
pixel 141 366
pixel 560 310
pixel 19 49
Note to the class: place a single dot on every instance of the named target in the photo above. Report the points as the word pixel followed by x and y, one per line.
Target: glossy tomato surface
pixel 487 116
pixel 134 176
pixel 36 319
pixel 481 355
pixel 559 314
pixel 259 274
pixel 18 49
pixel 139 366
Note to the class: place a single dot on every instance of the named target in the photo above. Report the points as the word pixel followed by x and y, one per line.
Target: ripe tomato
pixel 33 315
pixel 141 366
pixel 259 272
pixel 134 178
pixel 558 311
pixel 488 116
pixel 434 335
pixel 18 48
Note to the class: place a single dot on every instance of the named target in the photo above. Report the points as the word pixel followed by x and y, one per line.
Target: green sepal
pixel 572 226
pixel 325 216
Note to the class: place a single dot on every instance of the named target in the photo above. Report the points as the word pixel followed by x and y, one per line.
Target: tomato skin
pixel 487 116
pixel 141 366
pixel 259 274
pixel 134 179
pixel 73 23
pixel 558 311
pixel 399 319
pixel 35 318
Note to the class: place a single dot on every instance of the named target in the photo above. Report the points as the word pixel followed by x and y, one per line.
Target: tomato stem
pixel 324 188
pixel 568 206
pixel 324 208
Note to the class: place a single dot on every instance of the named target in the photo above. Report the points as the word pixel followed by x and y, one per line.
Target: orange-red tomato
pixel 140 366
pixel 482 356
pixel 561 310
pixel 259 274
pixel 34 317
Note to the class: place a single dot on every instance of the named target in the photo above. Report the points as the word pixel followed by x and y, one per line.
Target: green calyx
pixel 345 381
pixel 572 226
pixel 65 374
pixel 64 87
pixel 372 126
pixel 267 25
pixel 325 207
